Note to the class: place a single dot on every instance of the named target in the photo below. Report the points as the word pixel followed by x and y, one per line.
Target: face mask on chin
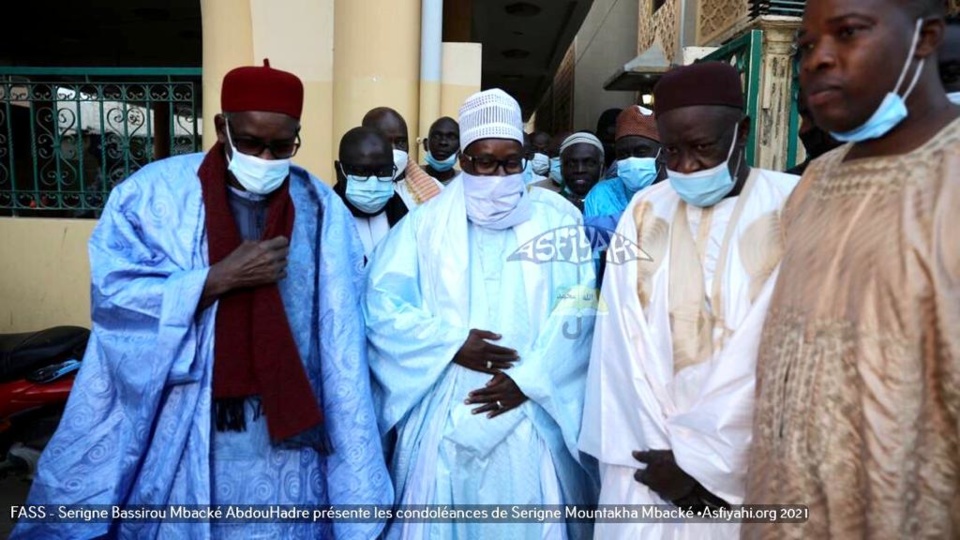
pixel 441 165
pixel 400 159
pixel 893 108
pixel 707 187
pixel 256 175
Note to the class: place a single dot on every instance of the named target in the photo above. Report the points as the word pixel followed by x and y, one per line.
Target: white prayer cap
pixel 582 137
pixel 491 114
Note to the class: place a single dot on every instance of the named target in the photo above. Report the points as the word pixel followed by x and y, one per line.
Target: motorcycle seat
pixel 22 353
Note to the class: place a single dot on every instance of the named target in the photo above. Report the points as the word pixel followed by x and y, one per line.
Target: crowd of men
pixel 434 334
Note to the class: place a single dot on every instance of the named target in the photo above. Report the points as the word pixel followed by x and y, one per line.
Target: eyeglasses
pixel 254 146
pixel 639 152
pixel 485 165
pixel 383 173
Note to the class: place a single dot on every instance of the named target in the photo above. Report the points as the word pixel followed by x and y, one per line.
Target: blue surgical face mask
pixel 528 176
pixel 636 172
pixel 540 164
pixel 441 165
pixel 369 194
pixel 954 97
pixel 555 174
pixel 256 175
pixel 893 108
pixel 707 187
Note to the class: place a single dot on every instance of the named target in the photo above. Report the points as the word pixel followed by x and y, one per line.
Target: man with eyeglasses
pixel 365 174
pixel 442 149
pixel 479 338
pixel 411 182
pixel 227 363
pixel 671 383
pixel 637 147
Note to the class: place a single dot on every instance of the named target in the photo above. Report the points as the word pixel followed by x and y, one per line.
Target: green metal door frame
pixel 745 53
pixel 69 135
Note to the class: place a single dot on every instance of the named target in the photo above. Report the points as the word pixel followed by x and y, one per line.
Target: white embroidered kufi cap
pixel 491 114
pixel 582 137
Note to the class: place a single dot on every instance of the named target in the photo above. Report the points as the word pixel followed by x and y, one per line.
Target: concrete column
pixel 431 55
pixel 227 43
pixel 461 76
pixel 376 62
pixel 776 96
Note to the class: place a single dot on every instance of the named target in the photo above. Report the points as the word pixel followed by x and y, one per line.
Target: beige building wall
pixel 297 38
pixel 376 62
pixel 606 40
pixel 44 273
pixel 351 55
pixel 460 76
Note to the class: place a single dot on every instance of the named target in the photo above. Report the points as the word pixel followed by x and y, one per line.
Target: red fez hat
pixel 637 120
pixel 703 83
pixel 254 88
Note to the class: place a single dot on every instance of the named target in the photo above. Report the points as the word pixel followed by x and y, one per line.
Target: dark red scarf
pixel 254 351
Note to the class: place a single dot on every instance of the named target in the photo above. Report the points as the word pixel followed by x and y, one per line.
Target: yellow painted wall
pixel 460 76
pixel 351 55
pixel 44 273
pixel 376 62
pixel 296 37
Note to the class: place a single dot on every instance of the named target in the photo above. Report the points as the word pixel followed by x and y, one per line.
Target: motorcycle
pixel 37 370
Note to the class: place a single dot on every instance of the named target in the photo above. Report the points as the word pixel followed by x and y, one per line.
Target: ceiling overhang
pixel 524 43
pixel 642 73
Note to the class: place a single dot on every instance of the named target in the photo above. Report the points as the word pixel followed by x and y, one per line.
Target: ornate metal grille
pixel 745 54
pixel 68 136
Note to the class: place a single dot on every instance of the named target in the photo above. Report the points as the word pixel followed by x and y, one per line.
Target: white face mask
pixel 496 202
pixel 541 164
pixel 256 175
pixel 400 159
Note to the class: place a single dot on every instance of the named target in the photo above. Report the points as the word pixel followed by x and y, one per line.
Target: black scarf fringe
pixel 231 415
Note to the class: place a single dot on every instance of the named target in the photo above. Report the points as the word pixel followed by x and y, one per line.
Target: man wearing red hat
pixel 638 165
pixel 671 384
pixel 227 364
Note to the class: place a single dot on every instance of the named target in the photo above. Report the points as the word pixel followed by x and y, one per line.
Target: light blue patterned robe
pixel 432 279
pixel 138 428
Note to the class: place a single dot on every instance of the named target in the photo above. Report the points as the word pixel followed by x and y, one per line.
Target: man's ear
pixel 338 171
pixel 221 127
pixel 931 36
